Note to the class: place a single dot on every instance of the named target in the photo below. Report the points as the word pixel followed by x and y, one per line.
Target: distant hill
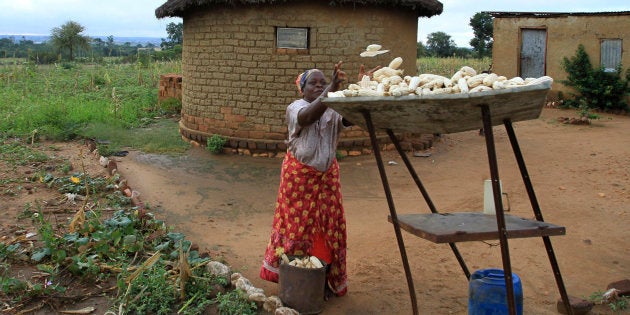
pixel 118 40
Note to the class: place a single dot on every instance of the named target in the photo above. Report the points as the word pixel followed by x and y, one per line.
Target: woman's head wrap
pixel 303 77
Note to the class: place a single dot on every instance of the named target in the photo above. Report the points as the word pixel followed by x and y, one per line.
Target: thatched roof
pixel 177 8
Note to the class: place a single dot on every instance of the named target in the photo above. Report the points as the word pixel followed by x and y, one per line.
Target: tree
pixel 463 52
pixel 421 50
pixel 175 35
pixel 68 36
pixel 98 45
pixel 596 88
pixel 110 45
pixel 440 44
pixel 481 24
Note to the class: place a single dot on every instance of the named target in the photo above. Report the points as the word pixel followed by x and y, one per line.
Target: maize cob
pixel 476 80
pixel 463 86
pixel 516 81
pixel 480 88
pixel 336 94
pixel 540 80
pixel 367 92
pixel 458 75
pixel 414 82
pixel 316 262
pixel 380 88
pixel 498 85
pixel 446 90
pixel 395 64
pixel 448 82
pixel 365 82
pixel 384 73
pixel 468 71
pixel 436 83
pixel 488 80
pixel 393 80
pixel 456 88
pixel 350 93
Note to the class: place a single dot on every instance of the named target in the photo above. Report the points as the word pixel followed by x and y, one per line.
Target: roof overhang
pixel 178 8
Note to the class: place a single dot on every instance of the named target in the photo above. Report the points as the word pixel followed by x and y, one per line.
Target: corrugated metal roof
pixel 552 14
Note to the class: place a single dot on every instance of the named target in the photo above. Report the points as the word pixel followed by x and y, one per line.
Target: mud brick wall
pixel 237 83
pixel 564 33
pixel 170 87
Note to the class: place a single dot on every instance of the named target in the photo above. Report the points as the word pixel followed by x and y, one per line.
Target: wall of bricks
pixel 170 87
pixel 564 34
pixel 238 84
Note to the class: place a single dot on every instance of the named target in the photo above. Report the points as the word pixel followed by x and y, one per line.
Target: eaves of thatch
pixel 178 8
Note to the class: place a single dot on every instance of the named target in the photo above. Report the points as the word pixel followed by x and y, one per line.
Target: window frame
pixel 284 43
pixel 607 48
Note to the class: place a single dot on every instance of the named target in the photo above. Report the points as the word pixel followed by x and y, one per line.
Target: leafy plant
pixel 149 293
pixel 596 88
pixel 585 111
pixel 15 152
pixel 234 303
pixel 170 105
pixel 198 290
pixel 615 302
pixel 215 143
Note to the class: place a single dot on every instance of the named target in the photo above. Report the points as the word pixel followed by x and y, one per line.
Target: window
pixel 610 54
pixel 292 37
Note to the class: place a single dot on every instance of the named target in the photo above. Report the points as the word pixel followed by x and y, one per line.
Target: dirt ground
pixel 580 173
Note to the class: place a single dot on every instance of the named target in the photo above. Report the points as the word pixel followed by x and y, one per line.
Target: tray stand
pixel 452 113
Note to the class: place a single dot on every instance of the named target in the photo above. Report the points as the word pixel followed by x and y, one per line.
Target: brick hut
pixel 240 59
pixel 533 44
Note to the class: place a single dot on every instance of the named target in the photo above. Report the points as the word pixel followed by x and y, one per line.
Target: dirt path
pixel 581 176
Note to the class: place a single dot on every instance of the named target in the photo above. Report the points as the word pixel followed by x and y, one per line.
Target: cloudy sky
pixel 123 18
pixel 120 18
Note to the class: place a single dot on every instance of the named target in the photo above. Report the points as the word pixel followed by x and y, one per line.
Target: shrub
pixel 235 303
pixel 597 88
pixel 215 143
pixel 171 105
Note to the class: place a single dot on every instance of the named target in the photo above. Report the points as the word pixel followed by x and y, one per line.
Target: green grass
pixel 112 102
pixel 448 66
pixel 161 136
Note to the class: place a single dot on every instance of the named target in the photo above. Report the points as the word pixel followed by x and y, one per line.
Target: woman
pixel 309 217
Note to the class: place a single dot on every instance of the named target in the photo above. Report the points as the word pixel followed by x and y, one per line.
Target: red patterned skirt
pixel 309 220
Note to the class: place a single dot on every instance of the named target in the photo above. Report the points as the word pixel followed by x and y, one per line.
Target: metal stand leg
pixel 538 214
pixel 425 194
pixel 494 174
pixel 392 209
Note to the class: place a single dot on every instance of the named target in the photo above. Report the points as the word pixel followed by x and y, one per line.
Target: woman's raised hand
pixel 339 76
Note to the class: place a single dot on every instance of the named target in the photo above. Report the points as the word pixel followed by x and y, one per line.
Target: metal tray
pixel 442 113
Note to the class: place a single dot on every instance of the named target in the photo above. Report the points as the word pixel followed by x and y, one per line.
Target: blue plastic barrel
pixel 487 294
